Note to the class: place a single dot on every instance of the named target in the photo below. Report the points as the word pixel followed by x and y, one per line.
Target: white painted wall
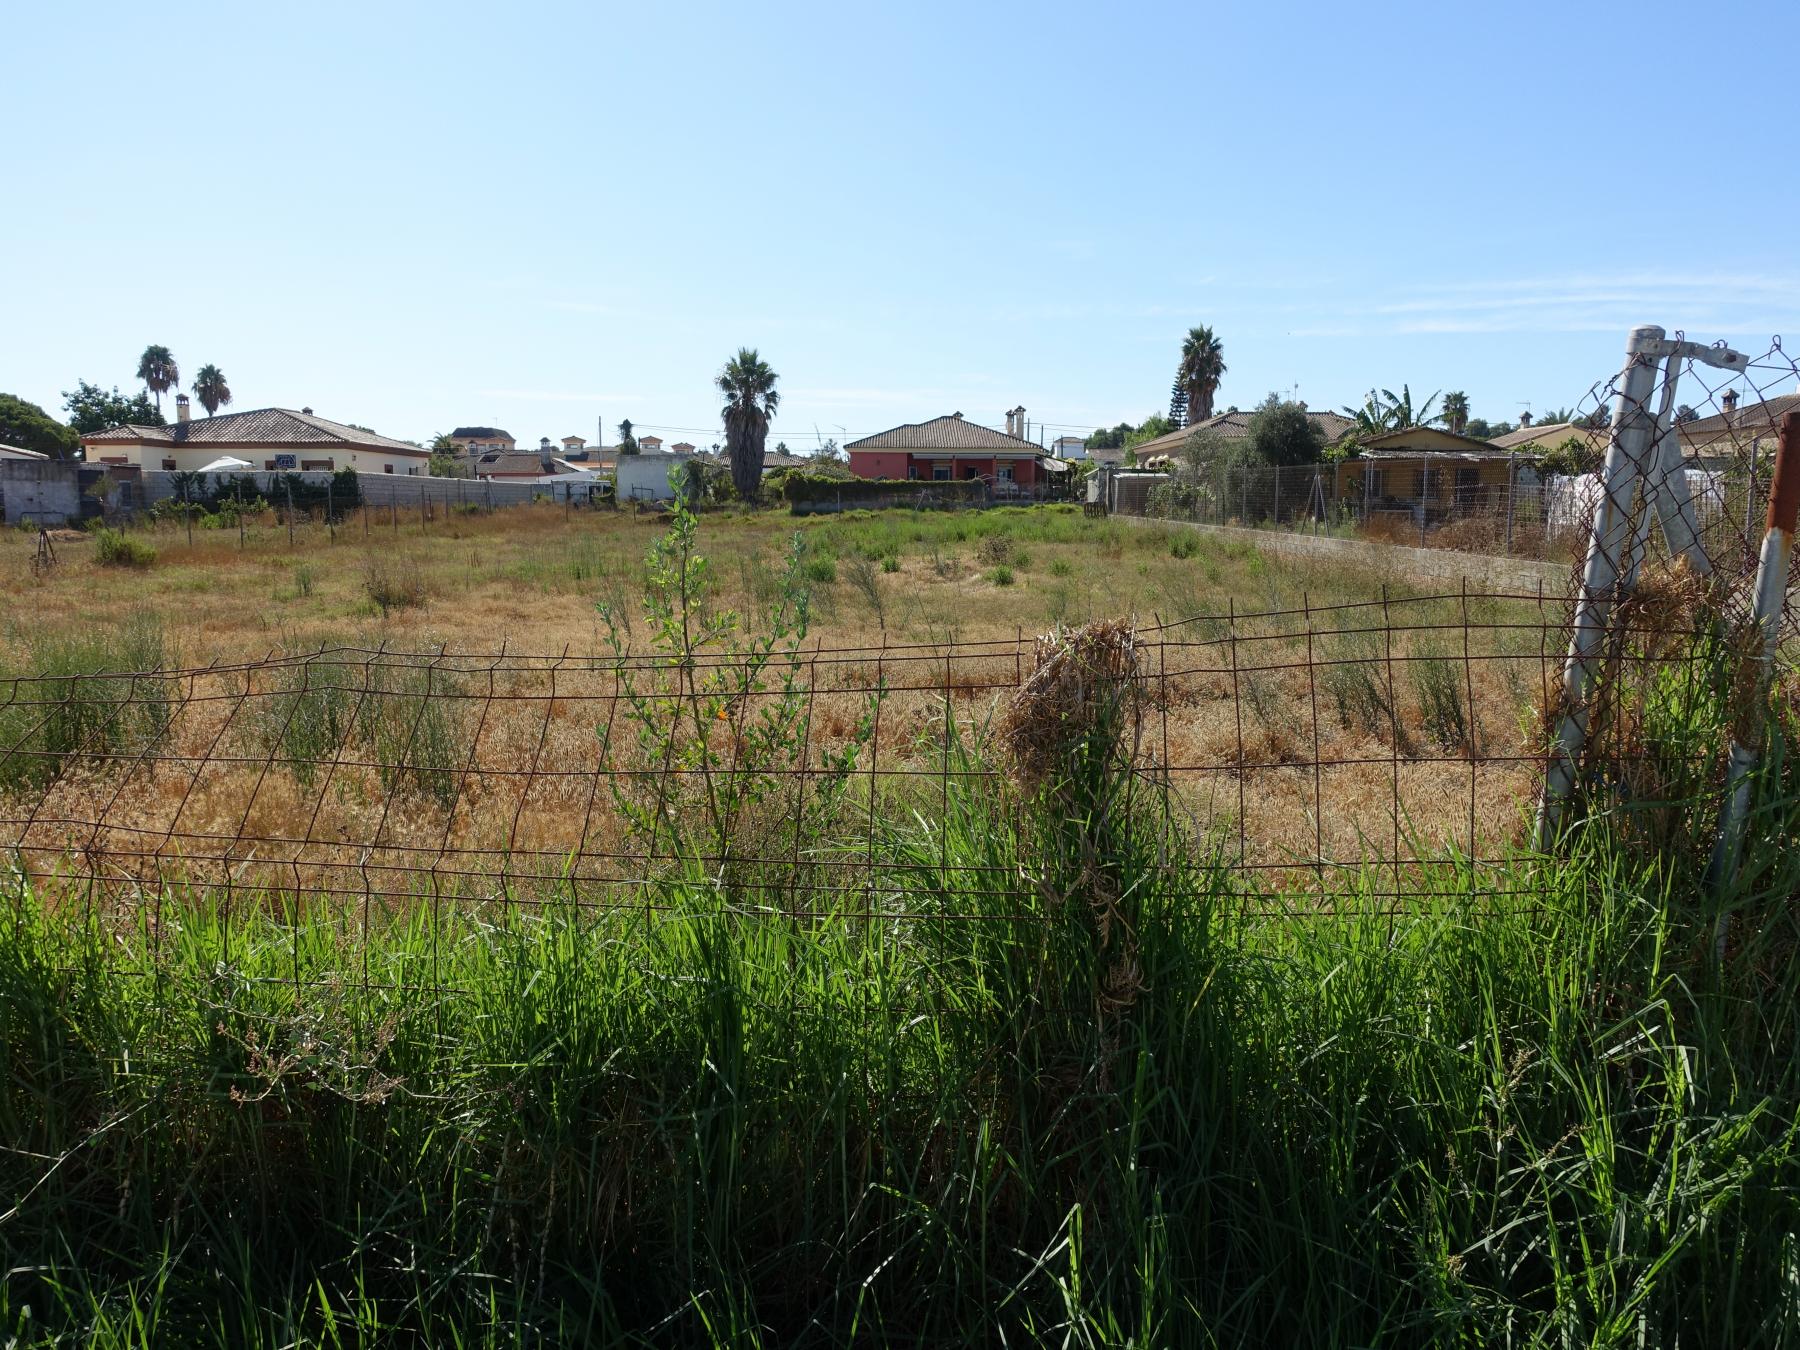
pixel 645 478
pixel 189 458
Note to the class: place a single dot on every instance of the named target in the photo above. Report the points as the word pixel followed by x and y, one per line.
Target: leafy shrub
pixel 994 549
pixel 1061 567
pixel 890 563
pixel 1001 575
pixel 801 490
pixel 115 548
pixel 1183 544
pixel 820 570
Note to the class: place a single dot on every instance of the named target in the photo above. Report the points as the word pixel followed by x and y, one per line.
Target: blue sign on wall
pixel 287 461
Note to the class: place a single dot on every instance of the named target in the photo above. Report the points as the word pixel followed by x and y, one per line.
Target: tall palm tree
pixel 158 371
pixel 210 388
pixel 1202 367
pixel 750 401
pixel 1455 412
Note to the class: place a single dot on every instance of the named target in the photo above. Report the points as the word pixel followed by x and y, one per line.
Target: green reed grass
pixel 901 1117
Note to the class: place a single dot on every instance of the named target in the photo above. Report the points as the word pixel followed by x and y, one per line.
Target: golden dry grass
pixel 1232 711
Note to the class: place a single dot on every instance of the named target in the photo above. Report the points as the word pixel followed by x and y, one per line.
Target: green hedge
pixel 803 489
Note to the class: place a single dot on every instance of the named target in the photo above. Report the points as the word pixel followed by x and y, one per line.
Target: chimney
pixel 1019 430
pixel 1010 414
pixel 1525 419
pixel 1729 400
pixel 956 414
pixel 307 411
pixel 545 455
pixel 182 412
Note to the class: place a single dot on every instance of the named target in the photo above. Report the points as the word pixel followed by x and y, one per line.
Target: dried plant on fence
pixel 1070 734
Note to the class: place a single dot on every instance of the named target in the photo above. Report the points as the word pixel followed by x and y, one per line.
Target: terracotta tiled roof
pixel 1234 426
pixel 1445 440
pixel 1550 434
pixel 1748 420
pixel 263 427
pixel 944 433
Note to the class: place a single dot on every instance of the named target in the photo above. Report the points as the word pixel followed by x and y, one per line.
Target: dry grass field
pixel 390 701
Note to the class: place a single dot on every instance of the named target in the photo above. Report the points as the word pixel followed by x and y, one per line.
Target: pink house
pixel 949 448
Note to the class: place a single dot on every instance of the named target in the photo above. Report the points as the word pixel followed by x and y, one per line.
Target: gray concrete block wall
pixel 40 491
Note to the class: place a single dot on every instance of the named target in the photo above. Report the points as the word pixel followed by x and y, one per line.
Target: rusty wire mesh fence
pixel 1308 751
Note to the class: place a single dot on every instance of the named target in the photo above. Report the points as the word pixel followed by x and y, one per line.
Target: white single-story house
pixel 269 439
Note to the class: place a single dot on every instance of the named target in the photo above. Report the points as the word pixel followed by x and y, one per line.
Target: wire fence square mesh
pixel 1375 747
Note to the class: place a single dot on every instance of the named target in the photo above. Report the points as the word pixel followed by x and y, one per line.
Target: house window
pixel 1375 489
pixel 1004 473
pixel 168 464
pixel 387 468
pixel 940 472
pixel 970 471
pixel 912 471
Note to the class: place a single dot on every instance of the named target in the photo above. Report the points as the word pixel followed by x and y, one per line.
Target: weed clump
pixel 392 586
pixel 93 696
pixel 115 548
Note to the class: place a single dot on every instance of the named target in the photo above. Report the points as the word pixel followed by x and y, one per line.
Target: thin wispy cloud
pixel 1737 302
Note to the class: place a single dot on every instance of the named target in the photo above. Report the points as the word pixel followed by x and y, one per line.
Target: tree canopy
pixel 210 388
pixel 1202 367
pixel 748 383
pixel 92 409
pixel 1282 433
pixel 29 427
pixel 628 442
pixel 158 370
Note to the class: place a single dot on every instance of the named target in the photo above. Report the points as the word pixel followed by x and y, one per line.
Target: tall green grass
pixel 913 1118
pixel 82 697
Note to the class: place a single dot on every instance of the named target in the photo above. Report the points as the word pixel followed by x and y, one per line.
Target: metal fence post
pixel 330 515
pixel 287 484
pixel 1512 490
pixel 1278 494
pixel 1632 428
pixel 1771 591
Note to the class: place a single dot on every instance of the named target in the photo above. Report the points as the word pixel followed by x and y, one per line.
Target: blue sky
pixel 414 216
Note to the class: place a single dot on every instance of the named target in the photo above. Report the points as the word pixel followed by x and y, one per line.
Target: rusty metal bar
pixel 1771 593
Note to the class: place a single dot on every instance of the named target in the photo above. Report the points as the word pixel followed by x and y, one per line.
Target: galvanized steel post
pixel 1747 720
pixel 1632 428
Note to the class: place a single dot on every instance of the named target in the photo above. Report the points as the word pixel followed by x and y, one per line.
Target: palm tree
pixel 210 388
pixel 1456 411
pixel 628 443
pixel 1388 411
pixel 1202 367
pixel 750 401
pixel 158 371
